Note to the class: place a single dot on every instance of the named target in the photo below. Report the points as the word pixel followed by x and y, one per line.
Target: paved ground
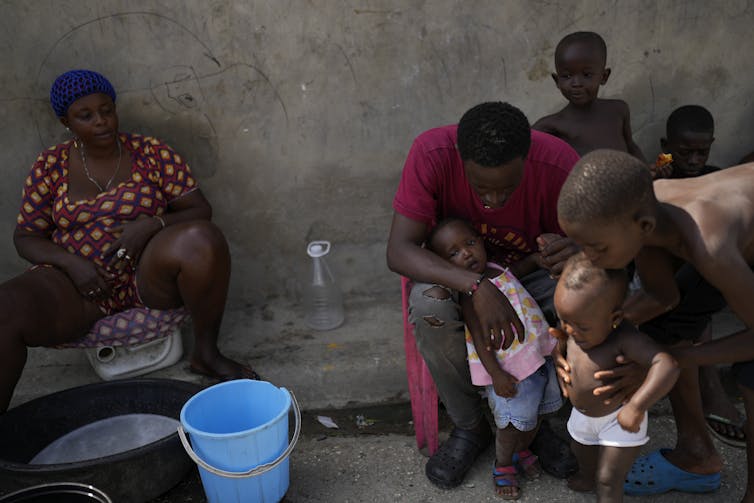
pixel 380 463
pixel 343 373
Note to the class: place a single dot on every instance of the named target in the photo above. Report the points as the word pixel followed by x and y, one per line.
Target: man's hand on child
pixel 621 381
pixel 554 250
pixel 630 418
pixel 496 317
pixel 504 385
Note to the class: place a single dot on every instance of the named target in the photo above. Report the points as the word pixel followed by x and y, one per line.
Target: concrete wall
pixel 296 115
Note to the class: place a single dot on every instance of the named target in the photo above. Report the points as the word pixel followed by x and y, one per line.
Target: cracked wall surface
pixel 296 116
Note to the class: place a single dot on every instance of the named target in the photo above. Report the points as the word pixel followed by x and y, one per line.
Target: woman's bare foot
pixel 222 368
pixel 580 483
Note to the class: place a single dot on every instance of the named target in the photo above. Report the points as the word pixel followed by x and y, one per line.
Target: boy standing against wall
pixel 587 122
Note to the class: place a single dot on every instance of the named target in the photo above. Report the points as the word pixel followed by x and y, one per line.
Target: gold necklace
pixel 89 175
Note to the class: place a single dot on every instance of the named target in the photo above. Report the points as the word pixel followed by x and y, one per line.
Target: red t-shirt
pixel 434 186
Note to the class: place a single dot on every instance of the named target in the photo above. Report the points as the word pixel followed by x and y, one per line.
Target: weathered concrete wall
pixel 296 116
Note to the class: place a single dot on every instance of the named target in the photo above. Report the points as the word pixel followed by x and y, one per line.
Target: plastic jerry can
pixel 118 362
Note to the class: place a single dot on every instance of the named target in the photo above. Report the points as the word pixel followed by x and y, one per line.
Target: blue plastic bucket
pixel 239 440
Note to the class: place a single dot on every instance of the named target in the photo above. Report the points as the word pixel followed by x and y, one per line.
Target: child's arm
pixel 661 377
pixel 547 125
pixel 502 381
pixel 659 291
pixel 733 277
pixel 632 147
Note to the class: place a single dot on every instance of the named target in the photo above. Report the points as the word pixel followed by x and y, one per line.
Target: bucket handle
pixel 257 470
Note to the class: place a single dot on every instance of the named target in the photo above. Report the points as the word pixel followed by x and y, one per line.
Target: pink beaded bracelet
pixel 475 286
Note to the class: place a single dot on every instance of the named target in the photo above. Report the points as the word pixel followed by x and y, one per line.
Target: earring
pixel 615 325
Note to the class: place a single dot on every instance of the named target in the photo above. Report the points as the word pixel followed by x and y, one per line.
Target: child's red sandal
pixel 528 464
pixel 506 476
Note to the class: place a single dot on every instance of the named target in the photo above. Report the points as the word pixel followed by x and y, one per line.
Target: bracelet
pixel 162 221
pixel 475 286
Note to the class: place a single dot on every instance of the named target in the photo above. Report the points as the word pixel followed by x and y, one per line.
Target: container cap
pixel 318 248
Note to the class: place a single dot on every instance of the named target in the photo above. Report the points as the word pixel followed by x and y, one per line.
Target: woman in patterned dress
pixel 110 221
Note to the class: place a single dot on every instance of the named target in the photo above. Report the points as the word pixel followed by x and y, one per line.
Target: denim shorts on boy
pixel 536 395
pixel 605 430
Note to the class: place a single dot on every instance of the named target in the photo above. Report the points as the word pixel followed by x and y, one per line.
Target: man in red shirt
pixel 494 172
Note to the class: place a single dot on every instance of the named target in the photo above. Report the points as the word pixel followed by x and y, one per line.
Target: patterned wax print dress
pixel 158 176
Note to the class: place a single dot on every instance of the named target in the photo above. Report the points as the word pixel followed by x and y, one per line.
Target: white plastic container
pixel 119 362
pixel 324 300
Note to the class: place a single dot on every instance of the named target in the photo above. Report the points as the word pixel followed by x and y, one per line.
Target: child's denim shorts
pixel 536 395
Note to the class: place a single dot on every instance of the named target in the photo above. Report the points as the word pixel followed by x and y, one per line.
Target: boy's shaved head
pixel 605 184
pixel 693 118
pixel 584 37
pixel 579 273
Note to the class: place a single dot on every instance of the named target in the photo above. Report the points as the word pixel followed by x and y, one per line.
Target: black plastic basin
pixel 132 476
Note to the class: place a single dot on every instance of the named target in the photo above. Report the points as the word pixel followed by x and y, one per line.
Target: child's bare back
pixel 721 207
pixel 602 125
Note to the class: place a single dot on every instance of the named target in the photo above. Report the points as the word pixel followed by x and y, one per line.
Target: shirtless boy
pixel 587 123
pixel 606 437
pixel 610 207
pixel 689 133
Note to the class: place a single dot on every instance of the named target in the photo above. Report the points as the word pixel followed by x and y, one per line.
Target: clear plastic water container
pixel 324 300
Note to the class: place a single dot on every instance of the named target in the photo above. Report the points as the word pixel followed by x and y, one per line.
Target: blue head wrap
pixel 76 84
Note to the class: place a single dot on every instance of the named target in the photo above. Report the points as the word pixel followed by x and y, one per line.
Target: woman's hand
pixel 496 316
pixel 91 280
pixel 621 381
pixel 133 236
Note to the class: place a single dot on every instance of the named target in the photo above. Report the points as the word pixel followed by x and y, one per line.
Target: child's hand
pixel 504 385
pixel 630 418
pixel 662 167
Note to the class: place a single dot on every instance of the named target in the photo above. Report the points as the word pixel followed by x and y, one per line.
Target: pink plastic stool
pixel 421 387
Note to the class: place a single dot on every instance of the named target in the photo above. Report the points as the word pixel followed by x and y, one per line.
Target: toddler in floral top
pixel 520 381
